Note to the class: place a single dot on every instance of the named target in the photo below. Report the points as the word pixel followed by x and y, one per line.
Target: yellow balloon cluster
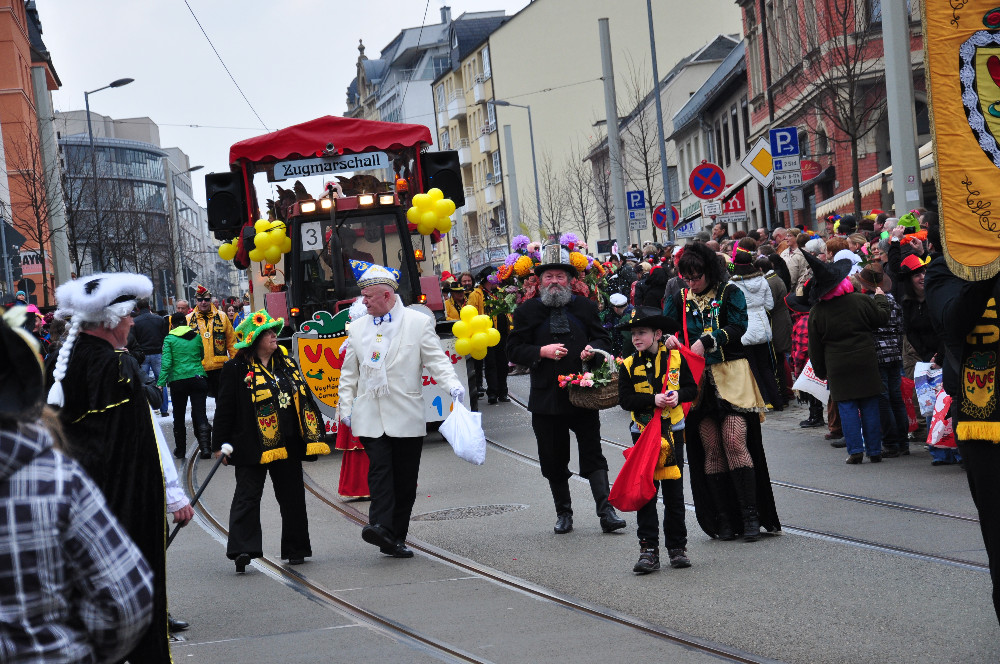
pixel 431 212
pixel 227 251
pixel 270 242
pixel 474 333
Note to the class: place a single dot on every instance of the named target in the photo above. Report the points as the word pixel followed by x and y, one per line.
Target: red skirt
pixel 353 464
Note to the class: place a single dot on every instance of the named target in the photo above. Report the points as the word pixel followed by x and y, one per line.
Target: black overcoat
pixel 531 332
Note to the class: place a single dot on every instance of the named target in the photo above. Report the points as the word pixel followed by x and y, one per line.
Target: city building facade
pixel 798 66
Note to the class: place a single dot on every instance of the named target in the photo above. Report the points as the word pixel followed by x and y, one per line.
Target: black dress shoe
pixel 176 625
pixel 296 561
pixel 875 458
pixel 564 524
pixel 505 399
pixel 179 453
pixel 397 550
pixel 857 458
pixel 378 536
pixel 242 561
pixel 492 401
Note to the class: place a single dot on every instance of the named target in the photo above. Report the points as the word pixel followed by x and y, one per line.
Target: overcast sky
pixel 292 59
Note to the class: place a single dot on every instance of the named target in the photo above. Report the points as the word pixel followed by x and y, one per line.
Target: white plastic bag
pixel 810 383
pixel 463 429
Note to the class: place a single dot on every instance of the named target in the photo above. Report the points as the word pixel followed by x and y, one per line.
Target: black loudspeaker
pixel 442 170
pixel 226 203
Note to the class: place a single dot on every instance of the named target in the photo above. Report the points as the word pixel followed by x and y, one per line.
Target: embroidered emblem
pixel 284 400
pixel 376 355
pixel 979 73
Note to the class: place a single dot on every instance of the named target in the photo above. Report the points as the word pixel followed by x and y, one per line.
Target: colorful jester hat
pixel 368 274
pixel 201 291
pixel 253 325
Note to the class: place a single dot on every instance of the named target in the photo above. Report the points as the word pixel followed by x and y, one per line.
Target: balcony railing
pixel 464 152
pixel 479 89
pixel 456 104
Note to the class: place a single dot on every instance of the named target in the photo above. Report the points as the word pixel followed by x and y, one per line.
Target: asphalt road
pixel 798 597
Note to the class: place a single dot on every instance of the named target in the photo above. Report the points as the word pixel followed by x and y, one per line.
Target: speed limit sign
pixel 312 236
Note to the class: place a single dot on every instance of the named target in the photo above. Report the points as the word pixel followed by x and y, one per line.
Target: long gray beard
pixel 556 295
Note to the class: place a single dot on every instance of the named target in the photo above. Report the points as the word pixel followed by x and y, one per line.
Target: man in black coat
pixel 150 331
pixel 554 334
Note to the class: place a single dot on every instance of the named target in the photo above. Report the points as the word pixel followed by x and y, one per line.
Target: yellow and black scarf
pixel 268 396
pixel 647 372
pixel 978 415
pixel 216 327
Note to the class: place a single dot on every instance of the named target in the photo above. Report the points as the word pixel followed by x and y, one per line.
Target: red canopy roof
pixel 309 139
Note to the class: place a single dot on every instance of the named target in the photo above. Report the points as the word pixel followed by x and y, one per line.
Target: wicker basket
pixel 597 398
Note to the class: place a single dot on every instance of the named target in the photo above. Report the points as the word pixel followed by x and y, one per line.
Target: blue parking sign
pixel 784 142
pixel 636 200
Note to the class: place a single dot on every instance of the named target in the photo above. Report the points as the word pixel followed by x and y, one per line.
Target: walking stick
pixel 227 449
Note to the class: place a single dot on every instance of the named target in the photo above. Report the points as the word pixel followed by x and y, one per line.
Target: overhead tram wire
pixel 223 62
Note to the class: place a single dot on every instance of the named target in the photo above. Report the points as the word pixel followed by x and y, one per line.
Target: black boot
pixel 564 506
pixel 180 441
pixel 746 492
pixel 649 558
pixel 205 442
pixel 717 487
pixel 610 521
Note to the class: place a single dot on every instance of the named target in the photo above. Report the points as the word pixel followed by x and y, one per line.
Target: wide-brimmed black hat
pixel 650 317
pixel 455 287
pixel 484 273
pixel 799 303
pixel 22 383
pixel 826 276
pixel 553 259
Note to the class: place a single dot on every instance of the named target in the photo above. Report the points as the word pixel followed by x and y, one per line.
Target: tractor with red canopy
pixel 364 174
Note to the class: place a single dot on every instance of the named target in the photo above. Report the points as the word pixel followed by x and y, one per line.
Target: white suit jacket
pixel 400 414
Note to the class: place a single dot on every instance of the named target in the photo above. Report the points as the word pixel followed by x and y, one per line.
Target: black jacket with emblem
pixel 531 332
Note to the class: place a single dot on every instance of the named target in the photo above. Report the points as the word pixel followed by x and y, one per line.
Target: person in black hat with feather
pixel 640 391
pixel 554 334
pixel 842 327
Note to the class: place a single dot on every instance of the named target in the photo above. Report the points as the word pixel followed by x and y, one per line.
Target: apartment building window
pixel 745 109
pixel 440 96
pixel 454 39
pixel 682 161
pixel 735 122
pixel 804 143
pixel 445 141
pixel 440 64
pixel 502 220
pixel 718 141
pixel 496 167
pixel 491 114
pixel 725 141
pixel 694 153
pixel 753 48
pixel 485 55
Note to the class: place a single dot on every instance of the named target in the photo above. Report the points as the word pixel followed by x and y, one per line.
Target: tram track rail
pixel 811 532
pixel 303 585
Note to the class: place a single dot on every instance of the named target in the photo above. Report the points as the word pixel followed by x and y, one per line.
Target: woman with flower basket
pixel 267 413
pixel 554 334
pixel 729 479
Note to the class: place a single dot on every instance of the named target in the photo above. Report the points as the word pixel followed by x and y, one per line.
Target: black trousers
pixel 245 535
pixel 479 365
pixel 552 436
pixel 982 465
pixel 393 466
pixel 495 366
pixel 674 526
pixel 213 382
pixel 195 389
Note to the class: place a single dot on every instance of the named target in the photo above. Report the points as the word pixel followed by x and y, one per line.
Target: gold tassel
pixel 276 454
pixel 317 448
pixel 978 431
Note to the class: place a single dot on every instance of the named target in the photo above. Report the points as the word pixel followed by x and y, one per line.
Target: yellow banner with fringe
pixel 962 54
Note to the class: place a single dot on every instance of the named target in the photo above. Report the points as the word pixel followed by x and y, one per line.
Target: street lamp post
pixel 175 230
pixel 534 164
pixel 93 151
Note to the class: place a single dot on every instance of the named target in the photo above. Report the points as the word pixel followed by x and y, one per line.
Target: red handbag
pixel 634 486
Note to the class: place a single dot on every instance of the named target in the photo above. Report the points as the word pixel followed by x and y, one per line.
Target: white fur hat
pixel 99 298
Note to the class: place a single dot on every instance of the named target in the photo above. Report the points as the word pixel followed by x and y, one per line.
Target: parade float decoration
pixel 270 242
pixel 474 333
pixel 227 250
pixel 431 212
pixel 963 71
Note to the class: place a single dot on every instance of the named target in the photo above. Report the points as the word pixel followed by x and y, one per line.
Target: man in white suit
pixel 381 400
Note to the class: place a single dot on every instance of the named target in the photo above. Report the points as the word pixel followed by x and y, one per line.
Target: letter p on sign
pixel 784 142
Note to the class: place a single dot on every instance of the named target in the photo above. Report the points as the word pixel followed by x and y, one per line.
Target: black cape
pixel 109 428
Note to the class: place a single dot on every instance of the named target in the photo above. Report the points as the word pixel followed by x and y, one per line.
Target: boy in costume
pixel 640 390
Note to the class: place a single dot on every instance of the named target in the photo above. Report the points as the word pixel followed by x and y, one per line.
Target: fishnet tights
pixel 725 449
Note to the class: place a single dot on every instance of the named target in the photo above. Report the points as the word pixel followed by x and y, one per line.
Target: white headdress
pixel 377 274
pixel 99 298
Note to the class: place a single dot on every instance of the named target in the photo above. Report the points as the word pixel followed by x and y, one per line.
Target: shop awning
pixel 874 183
pixel 732 189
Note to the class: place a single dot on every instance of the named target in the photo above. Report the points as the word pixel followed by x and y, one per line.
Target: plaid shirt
pixel 889 338
pixel 73 586
pixel 800 342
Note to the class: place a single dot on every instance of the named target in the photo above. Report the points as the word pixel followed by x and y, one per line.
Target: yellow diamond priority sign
pixel 757 162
